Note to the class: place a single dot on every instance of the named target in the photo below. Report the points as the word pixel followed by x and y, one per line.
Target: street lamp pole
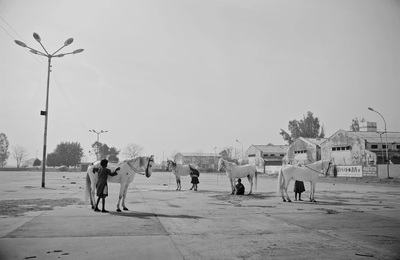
pixel 387 149
pixel 242 147
pixel 46 112
pixel 98 133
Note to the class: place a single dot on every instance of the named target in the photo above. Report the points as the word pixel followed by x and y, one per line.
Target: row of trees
pixel 309 127
pixel 66 153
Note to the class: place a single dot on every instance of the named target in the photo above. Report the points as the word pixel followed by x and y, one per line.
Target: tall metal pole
pixel 46 112
pixel 387 148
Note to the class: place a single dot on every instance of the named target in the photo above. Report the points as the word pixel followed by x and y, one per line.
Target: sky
pixel 191 75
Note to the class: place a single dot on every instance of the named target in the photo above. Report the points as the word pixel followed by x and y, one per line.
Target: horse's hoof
pixel 125 208
pixel 118 210
pixel 284 200
pixel 289 200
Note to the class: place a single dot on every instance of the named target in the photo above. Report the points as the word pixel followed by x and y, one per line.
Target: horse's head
pixel 170 164
pixel 326 164
pixel 148 163
pixel 221 164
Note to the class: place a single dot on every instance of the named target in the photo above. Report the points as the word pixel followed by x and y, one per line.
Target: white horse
pixel 308 172
pixel 125 176
pixel 179 170
pixel 234 171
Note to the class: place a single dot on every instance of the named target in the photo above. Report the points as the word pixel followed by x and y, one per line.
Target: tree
pixel 37 162
pixel 132 150
pixel 102 151
pixel 355 125
pixel 113 156
pixel 66 153
pixel 307 127
pixel 4 153
pixel 20 154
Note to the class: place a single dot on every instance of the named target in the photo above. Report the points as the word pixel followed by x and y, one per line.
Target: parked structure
pixel 263 156
pixel 205 161
pixel 304 151
pixel 361 148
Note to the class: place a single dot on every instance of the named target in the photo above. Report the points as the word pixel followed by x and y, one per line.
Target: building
pixel 361 148
pixel 263 156
pixel 304 151
pixel 205 161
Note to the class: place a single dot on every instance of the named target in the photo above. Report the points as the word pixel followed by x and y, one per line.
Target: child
pixel 298 188
pixel 194 173
pixel 101 186
pixel 239 187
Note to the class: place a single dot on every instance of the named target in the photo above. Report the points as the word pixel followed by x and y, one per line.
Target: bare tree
pixel 132 150
pixel 20 154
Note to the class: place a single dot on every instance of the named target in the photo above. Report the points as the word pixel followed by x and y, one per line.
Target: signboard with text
pixel 357 171
pixel 349 171
pixel 370 171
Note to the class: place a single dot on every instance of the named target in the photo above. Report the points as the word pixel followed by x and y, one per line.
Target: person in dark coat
pixel 194 173
pixel 239 187
pixel 298 189
pixel 101 185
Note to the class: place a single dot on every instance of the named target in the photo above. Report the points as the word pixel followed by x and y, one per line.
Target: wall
pixel 301 158
pixel 394 171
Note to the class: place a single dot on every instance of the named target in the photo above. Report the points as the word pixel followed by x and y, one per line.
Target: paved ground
pixel 349 221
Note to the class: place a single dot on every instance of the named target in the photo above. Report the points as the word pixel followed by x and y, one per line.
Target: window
pixel 252 155
pixel 300 151
pixel 341 148
pixel 272 154
pixel 374 146
pixel 282 155
pixel 397 146
pixel 383 146
pixel 265 155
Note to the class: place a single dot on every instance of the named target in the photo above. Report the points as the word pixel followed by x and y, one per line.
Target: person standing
pixel 298 189
pixel 101 185
pixel 194 173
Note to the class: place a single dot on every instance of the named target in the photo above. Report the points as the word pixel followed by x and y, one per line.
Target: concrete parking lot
pixel 351 220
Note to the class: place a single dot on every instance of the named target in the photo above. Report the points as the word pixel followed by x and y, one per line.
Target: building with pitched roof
pixel 266 155
pixel 304 151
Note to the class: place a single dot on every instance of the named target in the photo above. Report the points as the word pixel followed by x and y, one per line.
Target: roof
pixel 315 141
pixel 272 148
pixel 377 137
pixel 200 154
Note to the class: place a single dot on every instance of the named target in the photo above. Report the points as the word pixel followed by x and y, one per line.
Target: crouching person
pixel 101 185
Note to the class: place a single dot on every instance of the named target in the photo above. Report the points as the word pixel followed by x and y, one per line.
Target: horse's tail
pixel 281 180
pixel 88 188
pixel 255 176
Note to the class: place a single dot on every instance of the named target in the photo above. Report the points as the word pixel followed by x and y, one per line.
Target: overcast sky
pixel 191 75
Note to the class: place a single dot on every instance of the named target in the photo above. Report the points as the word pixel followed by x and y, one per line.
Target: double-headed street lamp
pixel 98 133
pixel 46 112
pixel 387 149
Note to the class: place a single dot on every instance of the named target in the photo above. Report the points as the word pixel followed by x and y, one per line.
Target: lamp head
pixel 20 43
pixel 37 37
pixel 77 51
pixel 371 109
pixel 68 42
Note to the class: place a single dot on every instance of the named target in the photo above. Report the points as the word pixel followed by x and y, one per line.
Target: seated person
pixel 239 187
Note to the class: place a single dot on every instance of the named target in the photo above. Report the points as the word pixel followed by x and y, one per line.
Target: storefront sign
pixel 370 171
pixel 349 171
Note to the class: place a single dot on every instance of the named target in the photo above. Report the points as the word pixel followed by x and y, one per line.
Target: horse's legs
pixel 251 183
pixel 124 196
pixel 287 195
pixel 121 194
pixel 92 194
pixel 232 185
pixel 178 183
pixel 312 191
